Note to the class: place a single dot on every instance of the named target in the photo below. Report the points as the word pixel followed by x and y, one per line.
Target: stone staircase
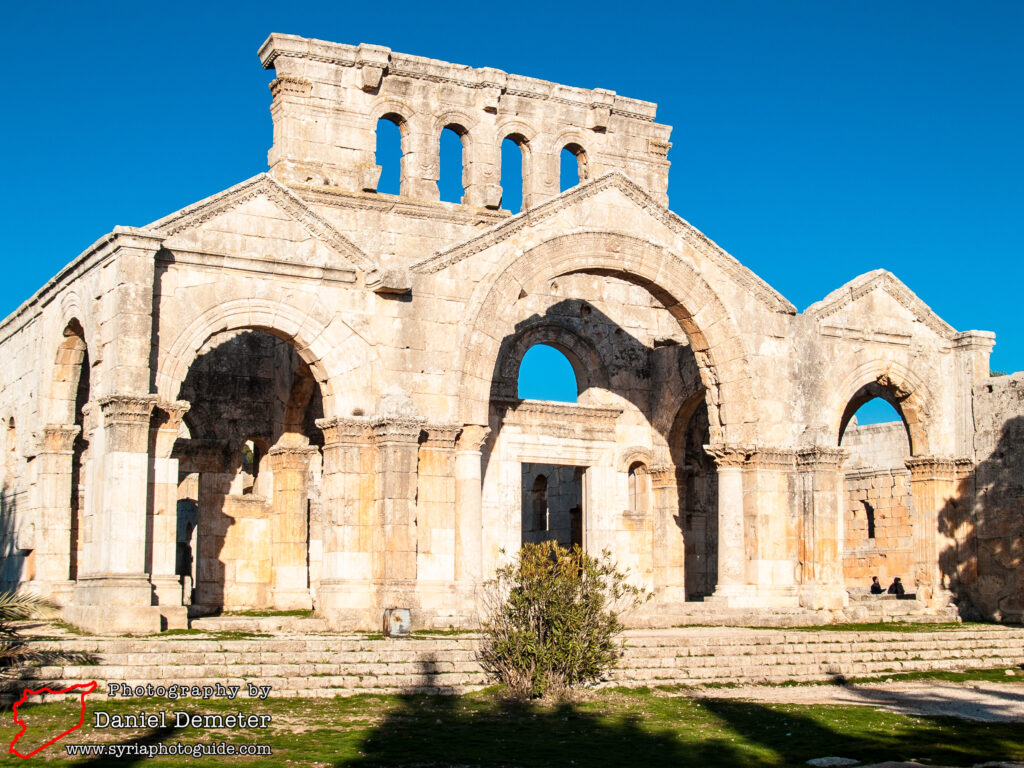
pixel 325 665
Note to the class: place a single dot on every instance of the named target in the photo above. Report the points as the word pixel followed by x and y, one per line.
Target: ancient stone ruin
pixel 302 393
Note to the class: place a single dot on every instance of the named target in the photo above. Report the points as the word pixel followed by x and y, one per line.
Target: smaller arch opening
pixel 388 153
pixel 514 151
pixel 546 374
pixel 639 488
pixel 572 167
pixel 869 514
pixel 452 183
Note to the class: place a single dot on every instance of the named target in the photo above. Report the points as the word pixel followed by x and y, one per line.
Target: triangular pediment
pixel 635 196
pixel 835 307
pixel 239 215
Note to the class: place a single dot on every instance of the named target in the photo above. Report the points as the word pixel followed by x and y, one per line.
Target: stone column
pixel 933 495
pixel 482 170
pixel 822 495
pixel 114 593
pixel 772 538
pixel 435 527
pixel 346 597
pixel 421 162
pixel 669 548
pixel 394 550
pixel 290 527
pixel 208 459
pixel 469 512
pixel 542 181
pixel 732 589
pixel 163 514
pixel 53 539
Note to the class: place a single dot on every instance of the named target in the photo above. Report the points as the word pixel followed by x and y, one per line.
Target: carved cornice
pixel 596 413
pixel 821 458
pixel 263 185
pixel 472 438
pixel 886 281
pixel 729 455
pixel 932 467
pixel 611 180
pixel 286 85
pixel 345 431
pixel 442 436
pixel 59 438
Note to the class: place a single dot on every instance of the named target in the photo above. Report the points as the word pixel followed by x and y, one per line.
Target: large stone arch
pixel 895 383
pixel 699 311
pixel 329 347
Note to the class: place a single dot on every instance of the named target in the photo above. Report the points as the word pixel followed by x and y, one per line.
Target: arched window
pixel 572 167
pixel 514 151
pixel 388 154
pixel 539 498
pixel 451 185
pixel 639 489
pixel 547 374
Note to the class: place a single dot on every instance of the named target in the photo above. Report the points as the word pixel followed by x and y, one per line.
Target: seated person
pixel 876 588
pixel 896 588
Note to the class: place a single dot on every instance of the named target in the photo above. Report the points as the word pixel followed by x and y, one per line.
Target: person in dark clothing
pixel 896 588
pixel 876 588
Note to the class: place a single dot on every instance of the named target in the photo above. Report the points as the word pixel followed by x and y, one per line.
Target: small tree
pixel 553 618
pixel 14 650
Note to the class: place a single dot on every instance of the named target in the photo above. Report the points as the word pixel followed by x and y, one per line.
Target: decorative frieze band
pixel 442 436
pixel 821 458
pixel 59 438
pixel 931 467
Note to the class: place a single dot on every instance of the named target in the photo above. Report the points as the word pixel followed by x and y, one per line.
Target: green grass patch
pixel 885 626
pixel 203 634
pixel 612 728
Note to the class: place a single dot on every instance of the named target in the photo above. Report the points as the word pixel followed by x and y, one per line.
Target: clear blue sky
pixel 812 140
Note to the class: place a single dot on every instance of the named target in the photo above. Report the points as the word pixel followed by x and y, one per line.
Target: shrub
pixel 13 608
pixel 552 619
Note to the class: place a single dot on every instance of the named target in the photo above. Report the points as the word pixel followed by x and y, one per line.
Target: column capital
pixel 167 414
pixel 769 457
pixel 126 421
pixel 340 430
pixel 442 436
pixel 931 467
pixel 290 457
pixel 662 476
pixel 729 455
pixel 59 438
pixel 472 438
pixel 397 429
pixel 818 457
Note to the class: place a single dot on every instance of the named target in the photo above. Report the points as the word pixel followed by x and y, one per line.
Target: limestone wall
pixel 995 564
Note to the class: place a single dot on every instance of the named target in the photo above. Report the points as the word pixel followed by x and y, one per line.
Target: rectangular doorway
pixel 553 503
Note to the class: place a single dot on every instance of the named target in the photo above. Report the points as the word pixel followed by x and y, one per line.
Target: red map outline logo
pixel 87 688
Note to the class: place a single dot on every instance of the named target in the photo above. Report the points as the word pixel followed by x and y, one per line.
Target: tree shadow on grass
pixel 798 733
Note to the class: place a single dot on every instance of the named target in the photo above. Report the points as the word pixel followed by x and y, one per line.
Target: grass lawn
pixel 612 727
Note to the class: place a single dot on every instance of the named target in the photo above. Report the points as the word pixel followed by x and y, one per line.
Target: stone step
pixel 261 624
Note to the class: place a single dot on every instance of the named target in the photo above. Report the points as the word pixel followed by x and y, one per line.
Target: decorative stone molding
pixel 773 458
pixel 472 438
pixel 286 85
pixel 345 431
pixel 565 419
pixel 288 457
pixel 167 414
pixel 964 466
pixel 633 454
pixel 59 438
pixel 729 455
pixel 931 467
pixel 821 458
pixel 442 436
pixel 126 421
pixel 662 476
pixel 397 429
pixel 389 281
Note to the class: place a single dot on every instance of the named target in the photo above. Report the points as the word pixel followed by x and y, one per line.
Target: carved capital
pixel 283 458
pixel 931 467
pixel 773 458
pixel 168 414
pixel 729 455
pixel 286 85
pixel 821 458
pixel 345 431
pixel 397 429
pixel 126 422
pixel 663 476
pixel 442 436
pixel 58 438
pixel 472 438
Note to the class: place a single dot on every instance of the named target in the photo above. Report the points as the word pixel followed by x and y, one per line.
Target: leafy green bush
pixel 553 619
pixel 15 607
